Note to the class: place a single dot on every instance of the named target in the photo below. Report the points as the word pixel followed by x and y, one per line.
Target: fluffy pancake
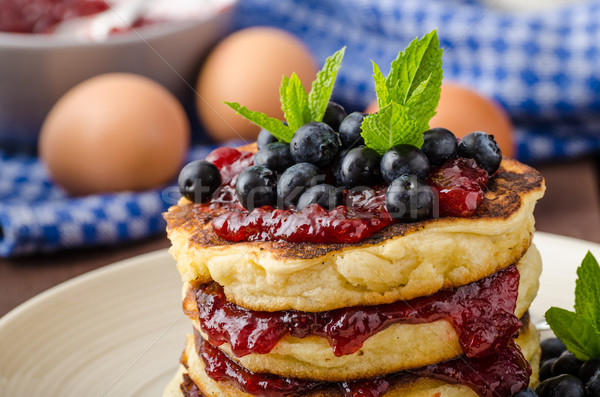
pixel 398 347
pixel 400 262
pixel 412 387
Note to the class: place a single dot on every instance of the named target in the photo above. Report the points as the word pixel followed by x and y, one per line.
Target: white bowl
pixel 36 70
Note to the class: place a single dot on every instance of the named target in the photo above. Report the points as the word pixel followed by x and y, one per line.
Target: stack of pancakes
pixel 403 262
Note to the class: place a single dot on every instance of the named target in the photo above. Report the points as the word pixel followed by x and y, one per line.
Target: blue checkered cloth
pixel 38 216
pixel 543 67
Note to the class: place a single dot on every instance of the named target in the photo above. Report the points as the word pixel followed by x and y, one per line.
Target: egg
pixel 247 67
pixel 463 110
pixel 114 132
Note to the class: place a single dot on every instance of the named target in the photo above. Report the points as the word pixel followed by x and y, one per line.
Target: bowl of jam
pixel 40 60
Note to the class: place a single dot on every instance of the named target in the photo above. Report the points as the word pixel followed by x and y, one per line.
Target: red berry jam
pixel 460 184
pixel 502 374
pixel 40 16
pixel 189 388
pixel 481 312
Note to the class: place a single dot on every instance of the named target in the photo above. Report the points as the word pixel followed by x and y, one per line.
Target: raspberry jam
pixel 39 16
pixel 460 184
pixel 502 374
pixel 481 312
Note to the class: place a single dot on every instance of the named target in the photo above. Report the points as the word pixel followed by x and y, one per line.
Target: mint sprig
pixel 279 130
pixel 322 86
pixel 407 97
pixel 298 107
pixel 580 330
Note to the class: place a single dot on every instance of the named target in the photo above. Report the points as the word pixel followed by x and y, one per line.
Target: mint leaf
pixel 420 61
pixel 580 337
pixel 294 102
pixel 274 126
pixel 587 291
pixel 322 86
pixel 407 97
pixel 381 89
pixel 391 126
pixel 580 330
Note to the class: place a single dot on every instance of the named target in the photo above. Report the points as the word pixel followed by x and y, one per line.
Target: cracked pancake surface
pixel 401 262
pixel 395 348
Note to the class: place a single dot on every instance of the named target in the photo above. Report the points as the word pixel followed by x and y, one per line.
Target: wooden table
pixel 571 207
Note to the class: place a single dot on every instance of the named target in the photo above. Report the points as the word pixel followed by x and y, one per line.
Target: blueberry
pixel 336 167
pixel 256 186
pixel 483 149
pixel 546 368
pixel 593 386
pixel 295 180
pixel 589 369
pixel 264 138
pixel 275 156
pixel 315 143
pixel 360 167
pixel 404 159
pixel 409 198
pixel 326 196
pixel 198 180
pixel 350 130
pixel 561 386
pixel 526 393
pixel 334 114
pixel 566 363
pixel 551 348
pixel 439 145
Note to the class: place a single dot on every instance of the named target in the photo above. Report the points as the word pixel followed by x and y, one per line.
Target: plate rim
pixel 107 270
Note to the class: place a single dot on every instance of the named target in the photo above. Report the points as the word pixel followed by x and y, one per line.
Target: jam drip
pixel 500 375
pixel 481 312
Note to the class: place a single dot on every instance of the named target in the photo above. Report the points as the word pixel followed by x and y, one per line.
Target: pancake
pixel 408 386
pixel 401 262
pixel 398 347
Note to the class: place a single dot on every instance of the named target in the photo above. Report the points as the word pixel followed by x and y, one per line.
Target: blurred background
pixel 102 103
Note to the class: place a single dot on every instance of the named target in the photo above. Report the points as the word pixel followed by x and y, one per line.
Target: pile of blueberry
pixel 563 375
pixel 324 159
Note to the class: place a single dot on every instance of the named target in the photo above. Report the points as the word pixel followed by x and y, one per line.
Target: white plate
pixel 119 330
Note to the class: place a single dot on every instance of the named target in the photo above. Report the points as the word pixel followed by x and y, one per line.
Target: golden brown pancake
pixel 396 348
pixel 401 262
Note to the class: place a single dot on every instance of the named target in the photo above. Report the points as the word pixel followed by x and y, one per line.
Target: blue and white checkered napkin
pixel 38 216
pixel 543 67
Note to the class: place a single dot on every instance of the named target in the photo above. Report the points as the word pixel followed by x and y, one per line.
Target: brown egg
pixel 247 67
pixel 462 111
pixel 114 132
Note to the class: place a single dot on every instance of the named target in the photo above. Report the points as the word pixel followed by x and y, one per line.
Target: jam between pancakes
pixel 501 374
pixel 481 312
pixel 459 185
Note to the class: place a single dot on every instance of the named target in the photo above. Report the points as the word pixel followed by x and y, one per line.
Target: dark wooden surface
pixel 571 207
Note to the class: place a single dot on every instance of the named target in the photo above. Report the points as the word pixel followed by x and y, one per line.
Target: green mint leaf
pixel 587 291
pixel 579 335
pixel 391 126
pixel 407 97
pixel 422 104
pixel 322 86
pixel 381 89
pixel 294 102
pixel 274 126
pixel 420 61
